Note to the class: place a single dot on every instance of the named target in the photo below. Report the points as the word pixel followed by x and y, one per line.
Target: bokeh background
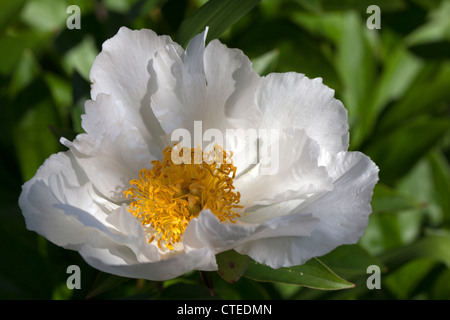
pixel 394 81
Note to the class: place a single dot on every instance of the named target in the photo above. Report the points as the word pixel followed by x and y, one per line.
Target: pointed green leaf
pixel 313 274
pixel 436 29
pixel 427 92
pixel 105 282
pixel 440 173
pixel 351 260
pixel 355 65
pixel 386 199
pixel 26 71
pixel 435 246
pixel 398 151
pixel 232 265
pixel 218 15
pixel 399 70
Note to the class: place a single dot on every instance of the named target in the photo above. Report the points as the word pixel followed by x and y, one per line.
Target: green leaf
pixel 386 199
pixel 383 232
pixel 425 95
pixel 313 274
pixel 432 40
pixel 26 71
pixel 105 282
pixel 435 246
pixel 399 70
pixel 436 29
pixel 440 173
pixel 327 25
pixel 218 15
pixel 420 184
pixel 351 260
pixel 13 45
pixel 441 289
pixel 356 67
pixel 81 57
pixel 9 9
pixel 398 151
pixel 232 265
pixel 61 92
pixel 403 281
pixel 46 15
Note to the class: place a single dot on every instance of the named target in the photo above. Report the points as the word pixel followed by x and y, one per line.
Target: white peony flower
pixel 119 199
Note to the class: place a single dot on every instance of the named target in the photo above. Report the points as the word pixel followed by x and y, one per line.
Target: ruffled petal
pixel 208 231
pixel 113 151
pixel 60 204
pixel 293 100
pixel 46 202
pixel 122 70
pixel 288 169
pixel 215 85
pixel 343 215
pixel 103 259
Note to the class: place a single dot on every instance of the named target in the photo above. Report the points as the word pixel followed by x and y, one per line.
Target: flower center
pixel 170 194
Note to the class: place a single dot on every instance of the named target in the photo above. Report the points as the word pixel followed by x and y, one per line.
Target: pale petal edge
pixel 343 214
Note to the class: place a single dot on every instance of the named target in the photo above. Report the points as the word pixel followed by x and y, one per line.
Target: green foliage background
pixel 395 83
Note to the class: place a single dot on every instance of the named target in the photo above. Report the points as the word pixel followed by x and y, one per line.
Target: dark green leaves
pixel 435 246
pixel 416 138
pixel 218 15
pixel 313 274
pixel 104 283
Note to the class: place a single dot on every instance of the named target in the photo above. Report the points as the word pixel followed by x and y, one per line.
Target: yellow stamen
pixel 169 195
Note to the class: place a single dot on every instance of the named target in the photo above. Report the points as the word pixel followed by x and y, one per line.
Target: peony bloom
pixel 120 198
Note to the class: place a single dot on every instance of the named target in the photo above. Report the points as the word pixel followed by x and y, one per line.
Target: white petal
pixel 215 85
pixel 343 215
pixel 231 85
pixel 106 260
pixel 60 204
pixel 207 230
pixel 262 213
pixel 122 71
pixel 291 171
pixel 293 100
pixel 112 152
pixel 59 181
